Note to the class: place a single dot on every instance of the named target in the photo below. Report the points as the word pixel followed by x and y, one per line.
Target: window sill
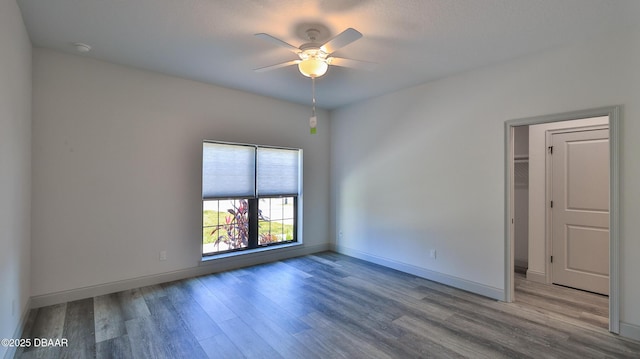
pixel 249 251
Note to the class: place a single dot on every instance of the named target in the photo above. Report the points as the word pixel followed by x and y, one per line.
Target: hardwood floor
pixel 320 306
pixel 571 305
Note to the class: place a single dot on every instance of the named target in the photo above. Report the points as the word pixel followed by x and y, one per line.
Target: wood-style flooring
pixel 320 306
pixel 572 305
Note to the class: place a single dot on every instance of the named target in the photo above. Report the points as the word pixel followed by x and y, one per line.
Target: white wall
pixel 538 253
pixel 117 169
pixel 15 168
pixel 422 168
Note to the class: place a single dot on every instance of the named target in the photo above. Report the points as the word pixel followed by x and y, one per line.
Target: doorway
pixel 539 266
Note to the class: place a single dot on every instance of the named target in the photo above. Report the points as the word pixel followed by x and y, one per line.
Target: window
pixel 250 196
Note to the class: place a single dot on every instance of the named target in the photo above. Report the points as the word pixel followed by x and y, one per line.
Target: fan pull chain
pixel 313 120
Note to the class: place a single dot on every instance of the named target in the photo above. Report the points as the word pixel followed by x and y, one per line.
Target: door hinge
pixel 550 149
pixel 551 204
pixel 551 259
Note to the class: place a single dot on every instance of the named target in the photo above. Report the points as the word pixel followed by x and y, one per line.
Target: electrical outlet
pixel 163 255
pixel 340 234
pixel 432 253
pixel 13 308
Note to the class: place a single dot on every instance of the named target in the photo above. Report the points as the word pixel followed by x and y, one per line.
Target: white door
pixel 580 210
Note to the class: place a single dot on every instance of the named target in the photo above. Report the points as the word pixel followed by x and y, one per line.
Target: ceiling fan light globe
pixel 313 67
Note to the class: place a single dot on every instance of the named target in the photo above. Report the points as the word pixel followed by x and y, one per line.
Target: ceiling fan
pixel 314 57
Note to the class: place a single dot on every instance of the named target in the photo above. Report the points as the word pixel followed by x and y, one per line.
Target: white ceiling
pixel 413 41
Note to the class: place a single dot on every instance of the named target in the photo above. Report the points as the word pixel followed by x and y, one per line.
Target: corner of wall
pixel 15 183
pixel 11 351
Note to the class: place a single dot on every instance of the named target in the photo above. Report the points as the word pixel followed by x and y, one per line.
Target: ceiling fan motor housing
pixel 314 59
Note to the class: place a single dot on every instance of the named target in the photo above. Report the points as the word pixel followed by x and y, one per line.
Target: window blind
pixel 228 170
pixel 278 171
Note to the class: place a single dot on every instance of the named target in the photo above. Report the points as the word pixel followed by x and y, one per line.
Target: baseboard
pixel 11 351
pixel 521 263
pixel 538 277
pixel 208 267
pixel 630 331
pixel 456 282
pixel 520 266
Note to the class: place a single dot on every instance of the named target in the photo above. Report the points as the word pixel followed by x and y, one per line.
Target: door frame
pixel 614 113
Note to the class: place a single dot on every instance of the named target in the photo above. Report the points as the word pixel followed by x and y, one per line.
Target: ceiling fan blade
pixel 277 41
pixel 277 66
pixel 354 64
pixel 342 39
